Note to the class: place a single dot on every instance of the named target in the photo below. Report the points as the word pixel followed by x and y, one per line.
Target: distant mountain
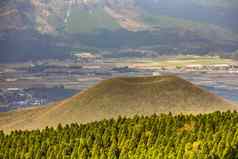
pixel 15 15
pixel 120 96
pixel 52 16
pixel 216 12
pixel 24 45
pixel 196 26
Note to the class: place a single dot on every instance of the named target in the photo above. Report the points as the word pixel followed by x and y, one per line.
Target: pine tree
pixel 84 154
pixel 114 152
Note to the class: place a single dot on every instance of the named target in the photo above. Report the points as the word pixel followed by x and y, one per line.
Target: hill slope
pixel 120 96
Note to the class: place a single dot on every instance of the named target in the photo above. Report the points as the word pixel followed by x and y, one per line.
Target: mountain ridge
pixel 50 16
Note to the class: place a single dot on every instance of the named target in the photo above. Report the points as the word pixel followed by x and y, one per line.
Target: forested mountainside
pixel 207 136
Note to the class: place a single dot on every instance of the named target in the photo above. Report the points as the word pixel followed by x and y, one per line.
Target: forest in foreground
pixel 165 136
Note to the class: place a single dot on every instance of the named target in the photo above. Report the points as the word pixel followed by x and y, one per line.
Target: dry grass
pixel 120 96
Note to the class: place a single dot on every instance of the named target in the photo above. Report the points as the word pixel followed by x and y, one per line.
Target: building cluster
pixel 13 98
pixel 226 67
pixel 85 57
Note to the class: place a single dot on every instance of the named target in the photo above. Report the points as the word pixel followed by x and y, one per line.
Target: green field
pixel 179 61
pixel 182 62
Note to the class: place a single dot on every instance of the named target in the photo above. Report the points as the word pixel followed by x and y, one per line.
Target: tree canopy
pixel 207 136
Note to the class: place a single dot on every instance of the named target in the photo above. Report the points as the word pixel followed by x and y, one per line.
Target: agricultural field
pixel 179 61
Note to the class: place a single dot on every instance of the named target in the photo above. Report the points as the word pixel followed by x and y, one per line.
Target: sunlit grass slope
pixel 126 96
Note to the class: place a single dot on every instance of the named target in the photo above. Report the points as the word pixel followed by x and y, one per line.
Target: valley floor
pixel 212 73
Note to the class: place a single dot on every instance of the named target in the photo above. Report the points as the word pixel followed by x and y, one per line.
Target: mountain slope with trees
pixel 207 136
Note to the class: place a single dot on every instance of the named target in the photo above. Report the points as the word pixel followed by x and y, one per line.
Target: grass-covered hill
pixel 208 136
pixel 125 96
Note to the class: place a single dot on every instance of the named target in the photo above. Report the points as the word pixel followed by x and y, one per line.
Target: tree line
pixel 164 136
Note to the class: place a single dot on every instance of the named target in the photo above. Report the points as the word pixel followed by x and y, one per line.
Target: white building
pixel 195 67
